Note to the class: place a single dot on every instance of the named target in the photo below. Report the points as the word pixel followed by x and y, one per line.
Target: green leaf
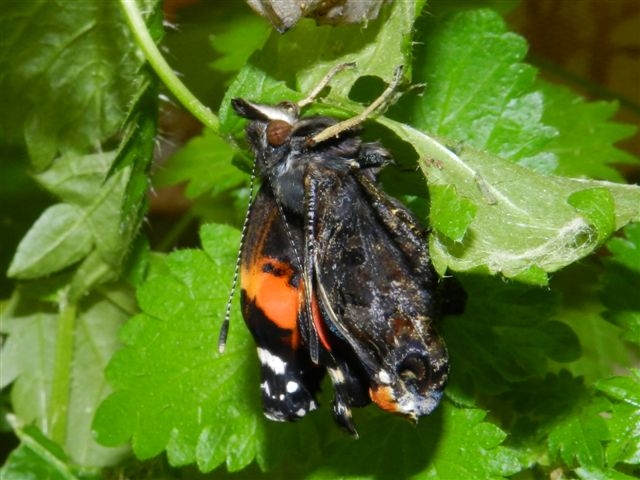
pixel 173 390
pixel 626 250
pixel 598 207
pixel 578 438
pixel 624 389
pixel 451 214
pixel 38 333
pixel 524 224
pixel 478 91
pixel 515 228
pixel 598 474
pixel 452 443
pixel 57 240
pixel 237 40
pixel 133 160
pixel 377 48
pixel 518 335
pixel 585 147
pixel 624 424
pixel 21 203
pixel 31 351
pixel 76 178
pixel 539 402
pixel 602 351
pixel 103 203
pixel 206 163
pixel 67 232
pixel 598 437
pixel 619 282
pixel 37 457
pixel 67 86
pixel 624 418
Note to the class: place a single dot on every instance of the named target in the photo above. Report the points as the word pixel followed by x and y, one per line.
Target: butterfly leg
pixel 324 82
pixel 341 405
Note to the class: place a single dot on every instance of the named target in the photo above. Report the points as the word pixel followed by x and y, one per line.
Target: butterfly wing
pixel 378 289
pixel 272 299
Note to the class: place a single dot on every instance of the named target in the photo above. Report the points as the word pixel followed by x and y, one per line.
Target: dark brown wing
pixel 378 291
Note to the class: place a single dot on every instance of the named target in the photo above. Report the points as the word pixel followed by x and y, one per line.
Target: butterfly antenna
pixel 224 328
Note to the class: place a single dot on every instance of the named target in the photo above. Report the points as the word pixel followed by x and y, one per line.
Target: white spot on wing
pixel 274 417
pixel 336 375
pixel 271 361
pixel 265 388
pixel 292 386
pixel 384 377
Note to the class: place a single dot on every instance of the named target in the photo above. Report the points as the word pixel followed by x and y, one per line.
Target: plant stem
pixel 162 68
pixel 61 384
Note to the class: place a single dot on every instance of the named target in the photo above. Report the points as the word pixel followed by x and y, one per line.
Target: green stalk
pixel 61 384
pixel 162 68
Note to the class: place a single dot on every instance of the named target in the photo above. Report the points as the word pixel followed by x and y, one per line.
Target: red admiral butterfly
pixel 335 274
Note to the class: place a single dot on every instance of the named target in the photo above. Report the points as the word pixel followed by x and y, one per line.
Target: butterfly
pixel 336 276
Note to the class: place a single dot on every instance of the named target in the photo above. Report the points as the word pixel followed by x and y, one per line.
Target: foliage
pixel 110 354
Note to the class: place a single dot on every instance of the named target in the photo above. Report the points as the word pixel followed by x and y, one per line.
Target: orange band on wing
pixel 268 284
pixel 384 398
